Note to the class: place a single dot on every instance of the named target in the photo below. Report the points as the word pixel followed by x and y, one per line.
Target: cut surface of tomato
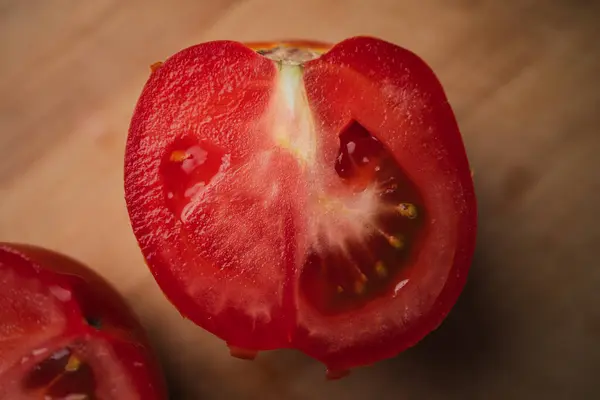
pixel 66 334
pixel 305 196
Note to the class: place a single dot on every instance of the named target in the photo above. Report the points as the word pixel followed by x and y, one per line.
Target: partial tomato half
pixel 299 195
pixel 65 333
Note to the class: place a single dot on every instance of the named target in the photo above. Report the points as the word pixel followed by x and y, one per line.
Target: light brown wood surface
pixel 523 78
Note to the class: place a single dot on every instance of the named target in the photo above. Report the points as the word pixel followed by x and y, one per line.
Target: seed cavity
pixel 188 168
pixel 63 375
pixel 366 236
pixel 367 252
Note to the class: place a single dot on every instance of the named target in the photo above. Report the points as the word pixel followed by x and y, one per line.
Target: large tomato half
pixel 299 196
pixel 66 334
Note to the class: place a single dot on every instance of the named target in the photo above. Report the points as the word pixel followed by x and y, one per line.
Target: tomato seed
pixel 360 284
pixel 407 210
pixel 394 241
pixel 73 363
pixel 380 269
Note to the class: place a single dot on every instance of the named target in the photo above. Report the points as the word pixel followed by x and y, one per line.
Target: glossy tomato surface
pixel 296 195
pixel 66 334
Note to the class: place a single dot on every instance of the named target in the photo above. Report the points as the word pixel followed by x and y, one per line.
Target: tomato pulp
pixel 297 195
pixel 65 333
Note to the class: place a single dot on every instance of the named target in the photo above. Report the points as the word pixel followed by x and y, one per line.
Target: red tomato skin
pixel 91 296
pixel 370 62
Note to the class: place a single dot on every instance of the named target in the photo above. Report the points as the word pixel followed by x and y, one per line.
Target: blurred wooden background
pixel 523 77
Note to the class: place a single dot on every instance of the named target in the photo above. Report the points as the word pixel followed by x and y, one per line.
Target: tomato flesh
pixel 65 333
pixel 321 202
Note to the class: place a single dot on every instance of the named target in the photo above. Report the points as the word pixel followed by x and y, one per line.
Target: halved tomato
pixel 296 195
pixel 66 334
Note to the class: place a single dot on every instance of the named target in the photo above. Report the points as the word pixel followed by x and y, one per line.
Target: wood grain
pixel 522 77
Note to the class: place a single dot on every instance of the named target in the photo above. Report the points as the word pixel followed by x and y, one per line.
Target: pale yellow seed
pixel 340 289
pixel 407 210
pixel 360 283
pixel 73 364
pixel 179 156
pixel 380 269
pixel 395 242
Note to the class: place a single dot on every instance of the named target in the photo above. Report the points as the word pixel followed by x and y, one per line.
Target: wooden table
pixel 522 76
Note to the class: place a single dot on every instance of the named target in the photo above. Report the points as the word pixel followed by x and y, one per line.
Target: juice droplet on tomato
pixel 60 376
pixel 187 169
pixel 340 278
